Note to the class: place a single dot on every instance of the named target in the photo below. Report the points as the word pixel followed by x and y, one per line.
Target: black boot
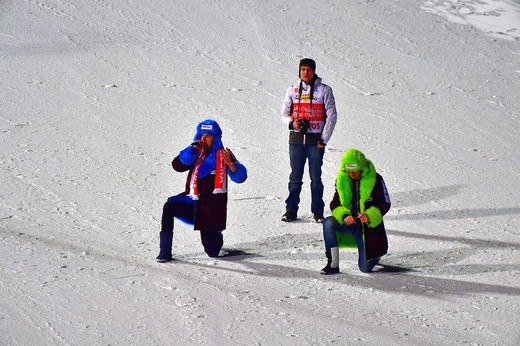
pixel 289 216
pixel 328 270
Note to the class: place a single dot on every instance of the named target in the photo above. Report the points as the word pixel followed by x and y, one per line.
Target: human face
pixel 208 140
pixel 306 74
pixel 354 175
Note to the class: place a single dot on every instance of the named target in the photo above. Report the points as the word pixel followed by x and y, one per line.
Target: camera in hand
pixel 304 125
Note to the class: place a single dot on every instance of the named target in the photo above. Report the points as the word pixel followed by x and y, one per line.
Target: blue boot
pixel 165 244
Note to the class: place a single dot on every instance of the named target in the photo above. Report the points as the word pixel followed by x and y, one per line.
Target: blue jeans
pixel 331 226
pixel 298 155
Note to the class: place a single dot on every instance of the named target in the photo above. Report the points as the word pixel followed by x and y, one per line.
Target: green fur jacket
pixel 373 200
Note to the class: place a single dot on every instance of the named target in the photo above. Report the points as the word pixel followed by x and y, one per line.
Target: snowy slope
pixel 97 97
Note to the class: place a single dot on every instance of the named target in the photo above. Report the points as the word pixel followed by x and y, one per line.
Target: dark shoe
pixel 164 259
pixel 318 218
pixel 328 270
pixel 289 216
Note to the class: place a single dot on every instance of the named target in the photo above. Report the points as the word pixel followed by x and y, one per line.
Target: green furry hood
pixel 354 160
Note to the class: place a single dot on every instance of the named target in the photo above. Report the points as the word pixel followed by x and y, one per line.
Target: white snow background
pixel 98 96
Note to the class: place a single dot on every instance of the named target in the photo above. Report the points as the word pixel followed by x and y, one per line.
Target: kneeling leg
pixel 212 242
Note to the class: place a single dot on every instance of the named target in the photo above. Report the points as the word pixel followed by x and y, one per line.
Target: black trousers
pixel 212 242
pixel 183 208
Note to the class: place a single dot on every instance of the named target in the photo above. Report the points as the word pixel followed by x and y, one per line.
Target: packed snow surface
pixel 98 96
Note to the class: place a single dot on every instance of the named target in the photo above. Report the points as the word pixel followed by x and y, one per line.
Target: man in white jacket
pixel 309 111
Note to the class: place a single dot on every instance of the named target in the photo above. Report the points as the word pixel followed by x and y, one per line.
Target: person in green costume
pixel 360 201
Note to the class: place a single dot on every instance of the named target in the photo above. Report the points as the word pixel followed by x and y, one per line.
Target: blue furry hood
pixel 211 127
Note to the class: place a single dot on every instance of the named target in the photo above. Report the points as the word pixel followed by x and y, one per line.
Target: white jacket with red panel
pixel 321 112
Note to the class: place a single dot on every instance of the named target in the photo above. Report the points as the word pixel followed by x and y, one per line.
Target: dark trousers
pixel 183 208
pixel 212 242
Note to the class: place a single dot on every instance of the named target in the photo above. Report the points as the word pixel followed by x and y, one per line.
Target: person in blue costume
pixel 360 201
pixel 203 204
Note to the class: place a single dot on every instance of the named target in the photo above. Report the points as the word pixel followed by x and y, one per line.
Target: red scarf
pixel 220 174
